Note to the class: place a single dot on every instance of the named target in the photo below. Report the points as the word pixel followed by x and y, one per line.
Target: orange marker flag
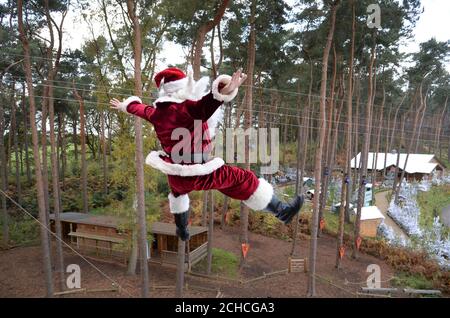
pixel 322 224
pixel 358 242
pixel 245 248
pixel 341 252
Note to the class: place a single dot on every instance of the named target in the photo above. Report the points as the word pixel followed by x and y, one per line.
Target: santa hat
pixel 171 79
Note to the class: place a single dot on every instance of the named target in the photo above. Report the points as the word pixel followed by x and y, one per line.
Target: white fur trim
pixel 261 197
pixel 213 122
pixel 165 99
pixel 179 204
pixel 188 170
pixel 174 86
pixel 201 88
pixel 123 106
pixel 215 89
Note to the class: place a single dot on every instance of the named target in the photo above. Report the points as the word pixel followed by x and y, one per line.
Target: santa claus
pixel 182 104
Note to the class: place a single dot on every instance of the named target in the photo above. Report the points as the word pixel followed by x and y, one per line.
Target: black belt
pixel 195 158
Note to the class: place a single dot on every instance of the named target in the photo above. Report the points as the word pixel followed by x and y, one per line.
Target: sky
pixel 434 22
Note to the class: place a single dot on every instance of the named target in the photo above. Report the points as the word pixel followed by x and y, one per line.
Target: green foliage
pixel 415 281
pixel 23 231
pixel 162 186
pixel 100 199
pixel 123 160
pixel 224 263
pixel 332 223
pixel 431 204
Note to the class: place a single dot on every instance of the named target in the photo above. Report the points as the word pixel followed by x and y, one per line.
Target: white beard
pixel 194 90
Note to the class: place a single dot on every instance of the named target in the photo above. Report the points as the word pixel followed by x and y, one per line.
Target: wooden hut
pixel 97 236
pixel 371 218
pixel 103 237
pixel 165 244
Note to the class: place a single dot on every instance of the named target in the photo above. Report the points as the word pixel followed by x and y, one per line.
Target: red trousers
pixel 235 182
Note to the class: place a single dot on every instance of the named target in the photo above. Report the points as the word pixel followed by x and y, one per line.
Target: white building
pixel 417 167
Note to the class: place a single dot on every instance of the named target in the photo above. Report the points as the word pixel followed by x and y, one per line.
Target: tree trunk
pixel 44 152
pixel 326 160
pixel 377 147
pixel 364 152
pixel 53 69
pixel 420 112
pixel 318 164
pixel 302 145
pixel 83 151
pixel 39 180
pixel 248 106
pixel 355 143
pixel 140 188
pixel 14 132
pixel 201 36
pixel 210 235
pixel 391 141
pixel 25 137
pixel 205 207
pixel 419 129
pixel 400 143
pixel 346 178
pixel 5 219
pixel 75 141
pixel 62 145
pixel 226 199
pixel 441 121
pixel 134 252
pixel 56 190
pixel 104 158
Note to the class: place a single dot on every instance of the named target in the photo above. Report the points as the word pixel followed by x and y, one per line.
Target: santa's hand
pixel 117 105
pixel 236 80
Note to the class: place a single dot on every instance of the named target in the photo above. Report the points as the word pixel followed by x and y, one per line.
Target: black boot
pixel 283 211
pixel 181 221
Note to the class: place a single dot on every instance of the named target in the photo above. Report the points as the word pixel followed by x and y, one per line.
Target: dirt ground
pixel 21 272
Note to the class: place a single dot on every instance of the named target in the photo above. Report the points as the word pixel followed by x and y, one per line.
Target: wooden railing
pixel 78 239
pixel 196 255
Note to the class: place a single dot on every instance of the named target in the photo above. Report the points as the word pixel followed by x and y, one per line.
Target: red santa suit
pixel 171 111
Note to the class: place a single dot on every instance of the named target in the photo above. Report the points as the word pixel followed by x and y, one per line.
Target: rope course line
pixel 342 122
pixel 257 87
pixel 70 247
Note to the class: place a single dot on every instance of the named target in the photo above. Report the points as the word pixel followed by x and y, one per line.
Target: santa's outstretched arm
pixel 133 105
pixel 224 89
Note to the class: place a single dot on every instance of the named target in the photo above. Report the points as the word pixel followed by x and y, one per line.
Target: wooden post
pixel 210 234
pixel 180 268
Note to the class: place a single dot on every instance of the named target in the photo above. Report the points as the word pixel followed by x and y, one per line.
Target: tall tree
pixel 319 150
pixel 248 102
pixel 14 132
pixel 140 189
pixel 25 137
pixel 38 172
pixel 52 72
pixel 346 178
pixel 84 192
pixel 365 150
pixel 3 184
